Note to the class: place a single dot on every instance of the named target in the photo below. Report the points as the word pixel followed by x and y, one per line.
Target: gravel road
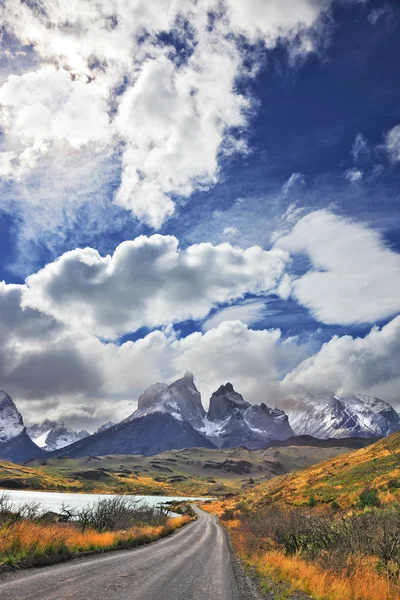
pixel 193 564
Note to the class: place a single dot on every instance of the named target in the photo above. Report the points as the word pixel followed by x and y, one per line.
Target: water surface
pixel 54 500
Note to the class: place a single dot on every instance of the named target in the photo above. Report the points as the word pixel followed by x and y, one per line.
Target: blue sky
pixel 273 125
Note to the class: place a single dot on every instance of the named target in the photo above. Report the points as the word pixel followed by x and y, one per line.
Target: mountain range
pixel 53 435
pixel 172 417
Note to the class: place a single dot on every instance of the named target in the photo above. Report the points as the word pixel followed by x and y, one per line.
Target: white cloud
pixel 56 372
pixel 248 312
pixel 230 231
pixel 53 371
pixel 392 143
pixel 47 104
pixel 102 76
pixel 347 365
pixel 353 175
pixel 149 282
pixel 360 148
pixel 354 278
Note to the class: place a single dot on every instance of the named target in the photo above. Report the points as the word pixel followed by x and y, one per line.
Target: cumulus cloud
pixel 149 282
pixel 103 74
pixel 347 365
pixel 392 144
pixel 354 278
pixel 48 104
pixel 54 371
pixel 38 357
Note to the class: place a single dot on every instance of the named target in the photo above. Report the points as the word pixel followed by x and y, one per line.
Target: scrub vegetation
pixel 332 531
pixel 29 537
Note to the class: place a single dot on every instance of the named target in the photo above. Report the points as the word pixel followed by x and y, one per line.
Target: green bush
pixel 227 515
pixel 369 498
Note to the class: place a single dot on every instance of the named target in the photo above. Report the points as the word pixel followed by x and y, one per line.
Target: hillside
pixel 331 530
pixel 192 471
pixel 340 479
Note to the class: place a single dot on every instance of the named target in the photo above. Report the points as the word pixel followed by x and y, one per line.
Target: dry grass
pixel 361 581
pixel 340 479
pixel 34 543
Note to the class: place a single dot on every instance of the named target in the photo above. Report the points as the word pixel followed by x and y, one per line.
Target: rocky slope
pixel 53 435
pixel 147 435
pixel 328 416
pixel 15 444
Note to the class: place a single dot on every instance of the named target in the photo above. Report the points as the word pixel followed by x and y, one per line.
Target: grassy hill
pixel 193 471
pixel 331 530
pixel 339 480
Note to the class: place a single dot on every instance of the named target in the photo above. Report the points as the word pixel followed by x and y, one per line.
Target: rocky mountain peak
pixel 181 399
pixel 224 402
pixel 105 426
pixel 11 423
pixel 189 377
pixel 149 395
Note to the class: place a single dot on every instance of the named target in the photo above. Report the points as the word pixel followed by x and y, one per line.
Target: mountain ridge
pixel 172 416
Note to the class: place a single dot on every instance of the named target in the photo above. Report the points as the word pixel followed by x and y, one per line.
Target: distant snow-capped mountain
pixel 15 444
pixel 172 417
pixel 329 416
pixel 53 435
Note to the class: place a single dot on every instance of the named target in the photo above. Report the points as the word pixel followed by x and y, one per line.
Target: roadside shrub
pixel 369 497
pixel 227 515
pixel 117 513
pixel 332 538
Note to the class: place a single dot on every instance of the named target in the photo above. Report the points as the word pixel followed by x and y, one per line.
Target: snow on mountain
pixel 329 416
pixel 232 421
pixel 15 445
pixel 149 395
pixel 11 423
pixel 105 426
pixel 53 435
pixel 181 399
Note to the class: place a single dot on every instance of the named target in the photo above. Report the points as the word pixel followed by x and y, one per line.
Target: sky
pixel 208 185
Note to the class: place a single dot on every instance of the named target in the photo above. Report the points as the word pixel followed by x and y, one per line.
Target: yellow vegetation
pixel 339 479
pixel 29 541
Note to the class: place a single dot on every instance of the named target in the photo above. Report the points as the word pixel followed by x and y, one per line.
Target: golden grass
pixel 50 478
pixel 362 581
pixel 340 479
pixel 28 541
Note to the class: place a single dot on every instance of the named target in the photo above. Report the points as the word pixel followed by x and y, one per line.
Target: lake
pixel 54 500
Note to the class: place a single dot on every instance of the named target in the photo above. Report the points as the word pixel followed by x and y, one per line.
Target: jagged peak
pixel 223 389
pixel 4 397
pixel 11 423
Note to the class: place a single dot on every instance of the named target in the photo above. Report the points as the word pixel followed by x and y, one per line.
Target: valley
pixel 191 471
